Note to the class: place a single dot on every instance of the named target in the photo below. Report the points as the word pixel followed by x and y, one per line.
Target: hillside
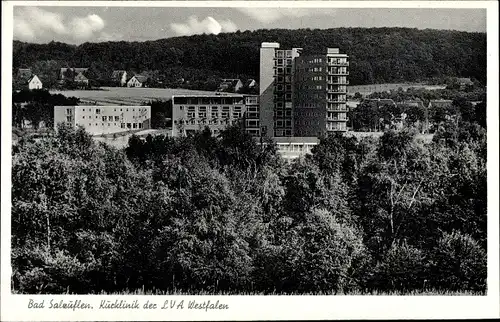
pixel 377 55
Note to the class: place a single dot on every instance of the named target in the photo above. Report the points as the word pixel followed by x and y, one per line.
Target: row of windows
pixel 295 147
pixel 285 79
pixel 278 96
pixel 283 53
pixel 281 113
pixel 337 61
pixel 313 87
pixel 281 132
pixel 340 70
pixel 315 61
pixel 122 125
pixel 283 123
pixel 69 111
pixel 336 126
pixel 252 123
pixel 283 62
pixel 207 100
pixel 206 122
pixel 283 70
pixel 309 105
pixel 212 108
pixel 336 98
pixel 280 87
pixel 202 115
pixel 116 118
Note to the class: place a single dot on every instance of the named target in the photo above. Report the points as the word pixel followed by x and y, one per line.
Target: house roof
pixel 250 81
pixel 118 73
pixel 465 80
pixel 441 102
pixel 141 78
pixel 80 76
pixel 24 73
pixel 228 83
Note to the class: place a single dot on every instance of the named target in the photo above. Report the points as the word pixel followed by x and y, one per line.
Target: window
pixel 129 125
pixel 279 62
pixel 97 111
pixel 140 125
pixel 104 118
pixel 134 125
pixel 83 117
pixel 109 124
pixel 117 118
pixel 69 111
pixel 69 118
pixel 122 125
pixel 83 109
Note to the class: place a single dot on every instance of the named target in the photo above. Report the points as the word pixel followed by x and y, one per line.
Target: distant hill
pixel 377 55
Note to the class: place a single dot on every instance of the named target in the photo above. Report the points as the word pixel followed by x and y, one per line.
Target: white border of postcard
pixel 14 307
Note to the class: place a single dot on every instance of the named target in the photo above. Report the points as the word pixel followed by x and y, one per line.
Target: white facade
pixel 134 82
pixel 35 83
pixel 99 120
pixel 192 113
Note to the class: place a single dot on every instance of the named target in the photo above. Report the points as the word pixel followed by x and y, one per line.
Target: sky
pixel 77 25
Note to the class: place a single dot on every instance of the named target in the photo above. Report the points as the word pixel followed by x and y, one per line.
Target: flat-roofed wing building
pixel 99 120
pixel 191 113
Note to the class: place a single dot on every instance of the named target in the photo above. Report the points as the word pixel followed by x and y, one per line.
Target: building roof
pixel 465 80
pixel 118 73
pixel 141 78
pixel 249 82
pixel 215 94
pixel 441 102
pixel 270 45
pixel 102 106
pixel 80 77
pixel 24 73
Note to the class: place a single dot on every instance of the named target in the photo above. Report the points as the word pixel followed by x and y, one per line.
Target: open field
pixel 125 95
pixel 368 89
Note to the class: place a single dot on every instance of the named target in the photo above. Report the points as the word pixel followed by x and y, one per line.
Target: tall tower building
pixel 320 95
pixel 276 89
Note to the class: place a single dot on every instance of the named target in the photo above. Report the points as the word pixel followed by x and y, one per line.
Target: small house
pixel 230 85
pixel 137 81
pixel 34 82
pixel 81 79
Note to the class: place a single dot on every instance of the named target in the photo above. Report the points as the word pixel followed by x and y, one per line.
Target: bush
pixel 402 268
pixel 319 255
pixel 459 263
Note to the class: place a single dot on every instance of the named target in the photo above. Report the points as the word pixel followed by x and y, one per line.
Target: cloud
pixel 268 15
pixel 37 24
pixel 84 28
pixel 208 26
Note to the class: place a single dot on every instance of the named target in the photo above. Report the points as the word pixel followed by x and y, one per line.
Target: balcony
pixel 338 72
pixel 337 91
pixel 338 64
pixel 337 82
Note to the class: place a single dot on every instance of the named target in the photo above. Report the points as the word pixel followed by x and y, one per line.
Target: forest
pixel 227 215
pixel 377 55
